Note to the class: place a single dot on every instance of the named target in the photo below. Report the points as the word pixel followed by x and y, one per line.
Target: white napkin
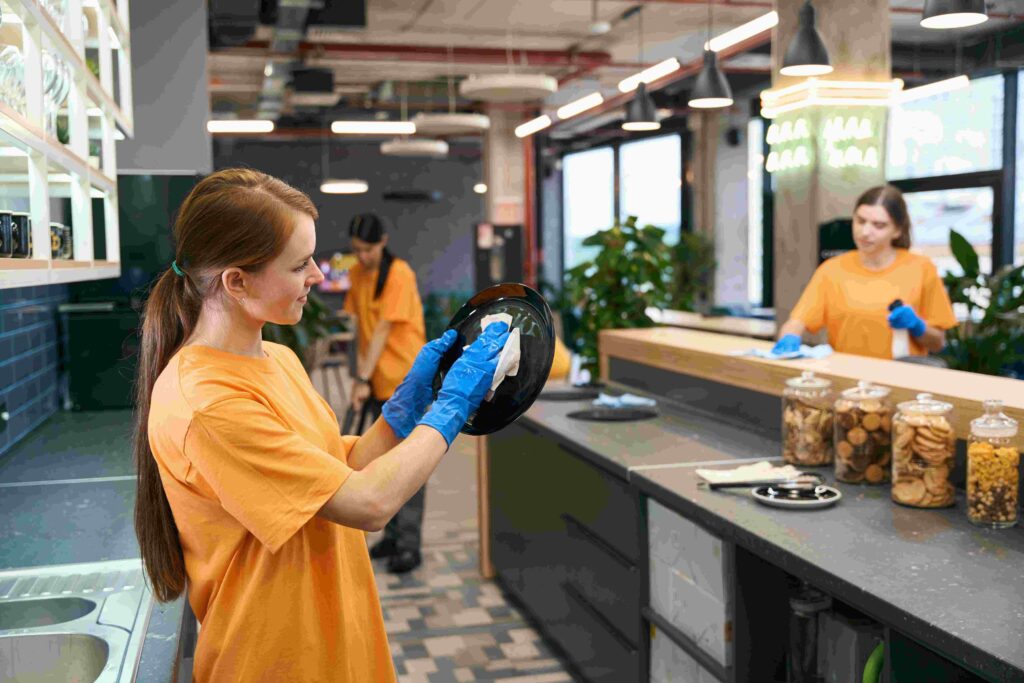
pixel 760 471
pixel 624 401
pixel 508 361
pixel 819 351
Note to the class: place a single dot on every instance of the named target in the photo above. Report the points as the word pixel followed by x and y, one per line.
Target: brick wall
pixel 29 358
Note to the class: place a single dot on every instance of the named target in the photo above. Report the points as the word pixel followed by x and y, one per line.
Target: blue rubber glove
pixel 467 383
pixel 904 318
pixel 406 406
pixel 789 343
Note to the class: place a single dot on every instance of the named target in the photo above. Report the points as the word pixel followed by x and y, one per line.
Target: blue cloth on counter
pixel 819 351
pixel 624 401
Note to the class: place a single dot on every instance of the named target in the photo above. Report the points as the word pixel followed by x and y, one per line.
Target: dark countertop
pixel 678 436
pixel 67 493
pixel 930 574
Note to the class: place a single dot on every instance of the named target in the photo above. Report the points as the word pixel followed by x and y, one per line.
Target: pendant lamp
pixel 806 55
pixel 329 185
pixel 640 112
pixel 711 91
pixel 945 14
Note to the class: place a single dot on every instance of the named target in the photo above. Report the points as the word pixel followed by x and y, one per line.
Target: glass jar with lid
pixel 992 473
pixel 807 420
pixel 863 428
pixel 923 445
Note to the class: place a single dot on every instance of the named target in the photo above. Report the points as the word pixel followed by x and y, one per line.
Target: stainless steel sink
pixel 83 622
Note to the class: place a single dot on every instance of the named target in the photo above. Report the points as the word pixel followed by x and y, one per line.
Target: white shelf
pixel 37 170
pixel 30 273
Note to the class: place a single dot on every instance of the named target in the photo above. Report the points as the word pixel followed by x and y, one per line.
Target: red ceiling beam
pixel 426 53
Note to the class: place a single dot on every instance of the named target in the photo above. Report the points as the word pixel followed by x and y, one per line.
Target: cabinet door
pixel 527 532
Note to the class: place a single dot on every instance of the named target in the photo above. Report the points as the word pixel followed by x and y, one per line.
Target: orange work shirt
pixel 248 453
pixel 399 303
pixel 852 302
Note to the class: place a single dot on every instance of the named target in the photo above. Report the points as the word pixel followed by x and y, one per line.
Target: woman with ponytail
pixel 248 497
pixel 384 300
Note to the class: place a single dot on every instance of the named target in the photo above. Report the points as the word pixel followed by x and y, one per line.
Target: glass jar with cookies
pixel 993 477
pixel 807 421
pixel 923 446
pixel 863 428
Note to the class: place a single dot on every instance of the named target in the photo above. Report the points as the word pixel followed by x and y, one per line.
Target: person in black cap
pixel 386 303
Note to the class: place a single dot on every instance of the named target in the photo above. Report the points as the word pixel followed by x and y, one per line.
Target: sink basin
pixel 33 613
pixel 52 657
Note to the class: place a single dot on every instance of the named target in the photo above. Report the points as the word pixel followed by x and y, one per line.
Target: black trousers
pixel 405 528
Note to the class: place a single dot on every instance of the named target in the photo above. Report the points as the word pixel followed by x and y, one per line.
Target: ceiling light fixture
pixel 650 74
pixel 640 112
pixel 946 14
pixel 410 147
pixel 452 122
pixel 806 55
pixel 239 126
pixel 737 35
pixel 532 126
pixel 373 127
pixel 480 188
pixel 579 106
pixel 597 27
pixel 936 88
pixel 711 90
pixel 344 186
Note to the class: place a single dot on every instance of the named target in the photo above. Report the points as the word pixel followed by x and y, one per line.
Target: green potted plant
pixel 991 339
pixel 630 273
pixel 307 338
pixel 693 279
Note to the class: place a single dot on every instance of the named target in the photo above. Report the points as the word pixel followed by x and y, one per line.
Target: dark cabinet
pixel 565 541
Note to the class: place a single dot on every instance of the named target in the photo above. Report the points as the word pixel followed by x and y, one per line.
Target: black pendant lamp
pixel 806 55
pixel 640 112
pixel 945 14
pixel 711 91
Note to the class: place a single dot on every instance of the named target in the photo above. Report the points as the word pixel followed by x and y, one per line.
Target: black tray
pixel 613 414
pixel 531 315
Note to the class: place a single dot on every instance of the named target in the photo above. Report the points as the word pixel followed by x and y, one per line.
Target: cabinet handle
pixel 573 593
pixel 599 542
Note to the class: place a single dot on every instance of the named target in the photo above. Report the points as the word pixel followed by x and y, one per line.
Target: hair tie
pixel 178 271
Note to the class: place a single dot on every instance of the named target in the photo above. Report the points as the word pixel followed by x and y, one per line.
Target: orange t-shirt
pixel 561 362
pixel 852 302
pixel 248 453
pixel 399 304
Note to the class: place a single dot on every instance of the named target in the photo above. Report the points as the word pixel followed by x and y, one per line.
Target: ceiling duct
pixel 289 31
pixel 339 15
pixel 313 88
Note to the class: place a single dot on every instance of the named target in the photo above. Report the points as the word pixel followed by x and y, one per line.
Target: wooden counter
pixel 708 356
pixel 744 327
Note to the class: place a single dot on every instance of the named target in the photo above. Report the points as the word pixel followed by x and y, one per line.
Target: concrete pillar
pixel 705 127
pixel 504 169
pixel 822 186
pixel 171 99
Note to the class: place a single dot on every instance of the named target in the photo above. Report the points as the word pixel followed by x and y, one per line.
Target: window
pixel 650 178
pixel 755 211
pixel 1018 251
pixel 934 213
pixel 588 200
pixel 948 134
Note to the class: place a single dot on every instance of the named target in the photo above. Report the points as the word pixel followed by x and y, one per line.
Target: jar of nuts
pixel 807 420
pixel 923 445
pixel 992 474
pixel 862 436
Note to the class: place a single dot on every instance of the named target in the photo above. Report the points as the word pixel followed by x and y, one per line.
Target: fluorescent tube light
pixel 936 88
pixel 373 127
pixel 580 105
pixel 344 186
pixel 748 30
pixel 240 126
pixel 532 126
pixel 651 73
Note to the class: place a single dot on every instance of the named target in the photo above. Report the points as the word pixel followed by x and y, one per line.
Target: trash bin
pixel 100 355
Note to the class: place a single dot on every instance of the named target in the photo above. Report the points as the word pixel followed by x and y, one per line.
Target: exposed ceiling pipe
pixel 769 6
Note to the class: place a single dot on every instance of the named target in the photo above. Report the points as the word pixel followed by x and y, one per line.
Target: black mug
pixel 56 241
pixel 6 236
pixel 21 229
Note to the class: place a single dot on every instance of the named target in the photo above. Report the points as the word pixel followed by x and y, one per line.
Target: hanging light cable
pixel 640 112
pixel 711 91
pixel 806 55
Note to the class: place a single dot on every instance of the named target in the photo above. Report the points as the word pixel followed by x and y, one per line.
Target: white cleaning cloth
pixel 760 471
pixel 508 361
pixel 624 401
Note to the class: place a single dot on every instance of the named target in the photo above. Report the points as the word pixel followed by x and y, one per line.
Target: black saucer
pixel 532 317
pixel 613 414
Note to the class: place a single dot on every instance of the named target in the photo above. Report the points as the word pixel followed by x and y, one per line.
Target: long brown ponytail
pixel 234 217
